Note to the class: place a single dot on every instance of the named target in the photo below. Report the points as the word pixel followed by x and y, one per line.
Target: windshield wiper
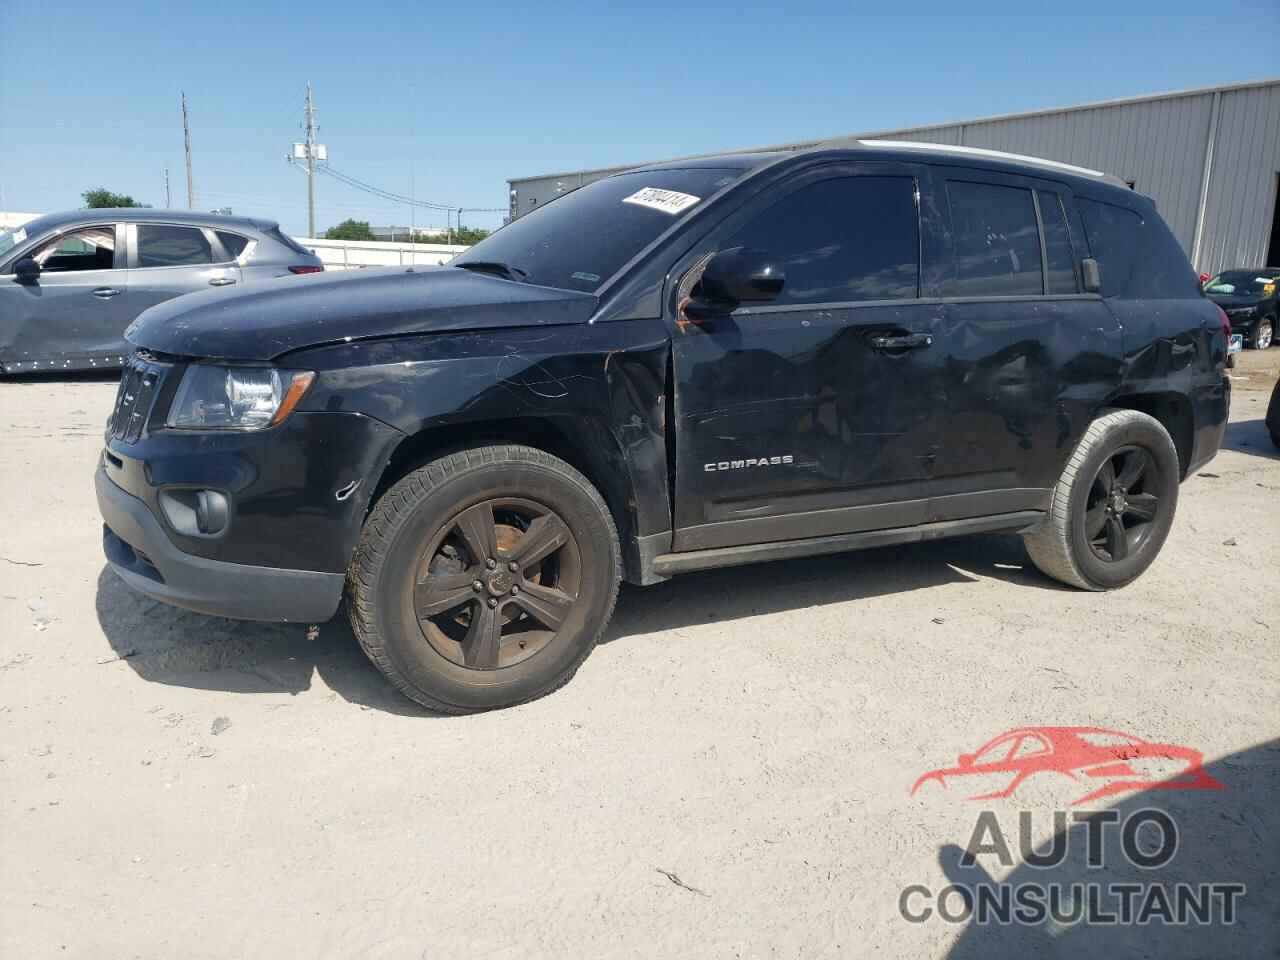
pixel 495 266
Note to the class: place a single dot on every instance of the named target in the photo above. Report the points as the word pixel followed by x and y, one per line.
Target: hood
pixel 275 317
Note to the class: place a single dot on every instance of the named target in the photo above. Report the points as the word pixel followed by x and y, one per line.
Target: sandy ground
pixel 176 785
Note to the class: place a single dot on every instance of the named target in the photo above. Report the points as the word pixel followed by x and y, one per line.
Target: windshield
pixel 1242 283
pixel 11 238
pixel 585 237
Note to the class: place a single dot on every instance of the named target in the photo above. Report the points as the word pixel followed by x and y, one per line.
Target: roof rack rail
pixel 994 155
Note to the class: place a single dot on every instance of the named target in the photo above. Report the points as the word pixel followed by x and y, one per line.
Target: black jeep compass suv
pixel 697 364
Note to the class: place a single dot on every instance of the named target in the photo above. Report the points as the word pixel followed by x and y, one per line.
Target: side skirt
pixel 669 564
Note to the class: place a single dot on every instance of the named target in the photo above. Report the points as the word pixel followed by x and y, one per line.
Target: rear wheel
pixel 1113 506
pixel 484 578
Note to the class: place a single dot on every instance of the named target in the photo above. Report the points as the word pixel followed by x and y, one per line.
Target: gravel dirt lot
pixel 727 776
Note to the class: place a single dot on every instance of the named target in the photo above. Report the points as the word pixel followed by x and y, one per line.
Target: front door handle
pixel 106 293
pixel 909 341
pixel 221 282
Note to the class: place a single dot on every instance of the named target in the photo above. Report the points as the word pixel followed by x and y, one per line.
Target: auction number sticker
pixel 668 201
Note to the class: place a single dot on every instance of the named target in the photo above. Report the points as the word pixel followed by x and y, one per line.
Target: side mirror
pixel 26 271
pixel 740 275
pixel 1091 275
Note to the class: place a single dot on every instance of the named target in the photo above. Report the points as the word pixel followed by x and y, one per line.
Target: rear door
pixel 76 313
pixel 167 260
pixel 793 418
pixel 1029 356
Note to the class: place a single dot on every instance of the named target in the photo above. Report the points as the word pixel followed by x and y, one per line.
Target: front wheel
pixel 484 578
pixel 1113 506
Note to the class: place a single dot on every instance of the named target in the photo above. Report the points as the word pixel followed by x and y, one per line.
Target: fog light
pixel 211 511
pixel 195 513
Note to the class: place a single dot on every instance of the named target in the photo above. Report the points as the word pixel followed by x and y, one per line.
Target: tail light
pixel 313 268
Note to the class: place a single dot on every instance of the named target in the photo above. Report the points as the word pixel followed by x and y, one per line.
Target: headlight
pixel 236 398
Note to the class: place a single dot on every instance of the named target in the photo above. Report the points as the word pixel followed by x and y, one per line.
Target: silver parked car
pixel 70 283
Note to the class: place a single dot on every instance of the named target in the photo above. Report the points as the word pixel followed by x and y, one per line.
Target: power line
pixel 399 198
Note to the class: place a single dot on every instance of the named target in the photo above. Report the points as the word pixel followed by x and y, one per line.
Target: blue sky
pixel 455 98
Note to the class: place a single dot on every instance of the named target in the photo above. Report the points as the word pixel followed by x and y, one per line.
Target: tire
pixel 1264 334
pixel 1061 546
pixel 1273 415
pixel 420 551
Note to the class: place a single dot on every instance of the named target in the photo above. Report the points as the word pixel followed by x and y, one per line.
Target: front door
pixel 815 413
pixel 75 314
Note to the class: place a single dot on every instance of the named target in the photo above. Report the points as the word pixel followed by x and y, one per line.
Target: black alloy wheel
pixel 1123 504
pixel 497 582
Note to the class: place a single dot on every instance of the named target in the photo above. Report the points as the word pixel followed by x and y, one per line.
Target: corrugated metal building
pixel 1210 158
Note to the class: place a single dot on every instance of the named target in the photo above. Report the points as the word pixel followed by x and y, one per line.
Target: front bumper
pixel 143 556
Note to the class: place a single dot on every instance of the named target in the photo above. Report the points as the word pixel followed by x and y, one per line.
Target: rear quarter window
pixel 233 243
pixel 275 233
pixel 1139 258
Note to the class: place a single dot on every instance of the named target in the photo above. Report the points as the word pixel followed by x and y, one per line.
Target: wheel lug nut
pixel 491 563
pixel 513 566
pixel 477 585
pixel 515 589
pixel 493 602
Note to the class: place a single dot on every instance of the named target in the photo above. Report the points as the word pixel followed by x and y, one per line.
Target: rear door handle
pixel 221 282
pixel 106 293
pixel 909 341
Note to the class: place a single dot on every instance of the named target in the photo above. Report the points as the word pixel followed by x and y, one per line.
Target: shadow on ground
pixel 69 376
pixel 164 644
pixel 1224 836
pixel 1251 437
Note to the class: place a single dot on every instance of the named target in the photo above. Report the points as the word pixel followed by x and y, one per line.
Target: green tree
pixel 468 236
pixel 102 197
pixel 350 230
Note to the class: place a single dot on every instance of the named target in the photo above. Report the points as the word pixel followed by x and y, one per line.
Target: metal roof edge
pixel 924 128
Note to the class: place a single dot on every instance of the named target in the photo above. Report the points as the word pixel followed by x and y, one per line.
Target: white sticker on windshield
pixel 668 201
pixel 19 236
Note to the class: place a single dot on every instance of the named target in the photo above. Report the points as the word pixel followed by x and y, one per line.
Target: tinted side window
pixel 1057 243
pixel 160 245
pixel 233 243
pixel 855 238
pixel 92 248
pixel 1115 241
pixel 995 240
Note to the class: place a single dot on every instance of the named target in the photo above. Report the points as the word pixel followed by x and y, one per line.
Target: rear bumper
pixel 1210 407
pixel 143 556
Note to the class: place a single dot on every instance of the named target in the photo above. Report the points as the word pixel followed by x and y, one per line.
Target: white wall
pixel 9 218
pixel 357 254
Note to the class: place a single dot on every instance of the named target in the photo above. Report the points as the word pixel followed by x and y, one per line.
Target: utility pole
pixel 186 138
pixel 311 164
pixel 168 204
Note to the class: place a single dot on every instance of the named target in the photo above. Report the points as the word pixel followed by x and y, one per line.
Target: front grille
pixel 139 387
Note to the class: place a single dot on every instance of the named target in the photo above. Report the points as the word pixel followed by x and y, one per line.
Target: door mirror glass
pixel 1091 275
pixel 741 275
pixel 26 271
